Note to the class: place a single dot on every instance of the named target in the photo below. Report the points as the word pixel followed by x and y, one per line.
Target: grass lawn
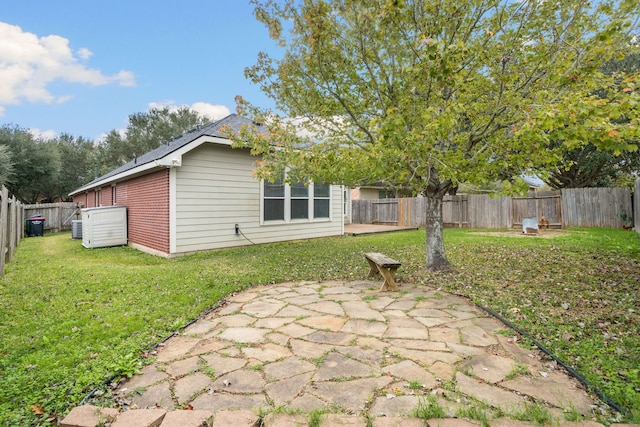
pixel 71 317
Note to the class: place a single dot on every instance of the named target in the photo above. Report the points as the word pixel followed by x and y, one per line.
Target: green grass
pixel 474 412
pixel 71 317
pixel 428 408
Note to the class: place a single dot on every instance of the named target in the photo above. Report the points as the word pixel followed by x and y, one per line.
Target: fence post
pixel 4 205
pixel 11 229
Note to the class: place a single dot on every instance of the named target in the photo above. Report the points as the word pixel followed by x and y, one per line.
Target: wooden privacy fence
pixel 636 206
pixel 58 216
pixel 582 207
pixel 11 226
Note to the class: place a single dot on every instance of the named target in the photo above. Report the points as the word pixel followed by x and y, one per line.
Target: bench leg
pixel 373 268
pixel 389 282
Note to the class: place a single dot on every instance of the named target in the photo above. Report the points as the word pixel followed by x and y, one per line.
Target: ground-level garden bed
pixel 71 317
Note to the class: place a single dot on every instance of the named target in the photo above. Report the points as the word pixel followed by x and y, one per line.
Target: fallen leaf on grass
pixel 37 409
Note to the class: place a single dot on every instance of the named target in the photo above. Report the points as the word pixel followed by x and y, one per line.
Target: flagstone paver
pixel 241 381
pixel 218 401
pixel 200 327
pixel 222 365
pixel 489 394
pixel 361 310
pixel 351 395
pixel 182 367
pixel 287 368
pixel 187 418
pixel 336 366
pixel 364 327
pixel 262 309
pixel 243 335
pixel 148 376
pixel 284 391
pixel 236 320
pixel 370 356
pixel 394 406
pixel 267 353
pixel 411 371
pixel 490 368
pixel 158 395
pixel 186 387
pixel 331 338
pixel 476 336
pixel 175 348
pixel 329 323
pixel 329 307
pixel 345 346
pixel 556 389
pixel 309 350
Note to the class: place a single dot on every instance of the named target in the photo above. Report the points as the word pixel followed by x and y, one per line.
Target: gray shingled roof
pixel 233 121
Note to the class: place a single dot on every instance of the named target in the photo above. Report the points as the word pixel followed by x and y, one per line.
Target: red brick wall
pixel 147 201
pixel 106 196
pixel 86 199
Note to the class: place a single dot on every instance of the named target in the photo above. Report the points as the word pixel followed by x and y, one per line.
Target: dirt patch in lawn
pixel 544 234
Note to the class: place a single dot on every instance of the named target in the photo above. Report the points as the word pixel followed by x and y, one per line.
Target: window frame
pixel 288 198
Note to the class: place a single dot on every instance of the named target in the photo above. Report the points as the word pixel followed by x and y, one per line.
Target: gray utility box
pixel 104 226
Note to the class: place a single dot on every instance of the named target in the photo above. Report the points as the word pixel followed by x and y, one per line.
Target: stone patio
pixel 345 349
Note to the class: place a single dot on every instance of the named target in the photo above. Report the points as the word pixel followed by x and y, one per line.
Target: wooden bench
pixel 382 264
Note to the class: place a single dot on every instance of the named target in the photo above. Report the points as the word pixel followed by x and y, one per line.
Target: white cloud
pixel 211 111
pixel 29 64
pixel 214 112
pixel 84 53
pixel 43 135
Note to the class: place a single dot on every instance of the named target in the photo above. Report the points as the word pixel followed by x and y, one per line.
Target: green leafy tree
pixel 586 165
pixel 6 164
pixel 35 164
pixel 145 132
pixel 431 94
pixel 77 158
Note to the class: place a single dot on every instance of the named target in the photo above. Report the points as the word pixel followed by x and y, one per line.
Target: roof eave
pixel 170 160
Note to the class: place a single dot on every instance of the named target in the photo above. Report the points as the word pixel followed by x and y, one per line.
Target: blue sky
pixel 83 67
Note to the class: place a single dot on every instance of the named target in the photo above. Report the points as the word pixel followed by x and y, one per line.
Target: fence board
pixel 547 203
pixel 385 211
pixel 57 215
pixel 583 207
pixel 595 207
pixel 11 226
pixel 455 211
pixel 4 237
pixel 636 206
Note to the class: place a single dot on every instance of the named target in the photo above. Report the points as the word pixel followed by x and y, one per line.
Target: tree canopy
pixel 430 94
pixel 46 170
pixel 586 165
pixel 145 132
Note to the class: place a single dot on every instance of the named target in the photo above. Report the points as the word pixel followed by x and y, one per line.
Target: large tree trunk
pixel 436 257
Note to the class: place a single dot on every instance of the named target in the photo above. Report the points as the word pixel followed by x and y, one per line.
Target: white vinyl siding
pixel 215 190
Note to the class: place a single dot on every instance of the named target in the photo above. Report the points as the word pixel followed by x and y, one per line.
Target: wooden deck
pixel 360 229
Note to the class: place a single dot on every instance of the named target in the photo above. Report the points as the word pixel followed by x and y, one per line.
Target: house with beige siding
pixel 197 193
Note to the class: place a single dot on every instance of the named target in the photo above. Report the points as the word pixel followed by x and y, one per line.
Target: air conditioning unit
pixel 76 229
